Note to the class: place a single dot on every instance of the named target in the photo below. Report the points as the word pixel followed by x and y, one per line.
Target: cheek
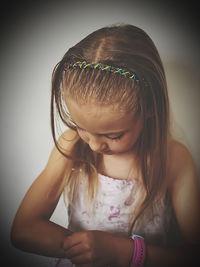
pixel 118 146
pixel 129 141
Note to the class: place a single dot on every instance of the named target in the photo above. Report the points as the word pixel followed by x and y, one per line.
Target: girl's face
pixel 107 130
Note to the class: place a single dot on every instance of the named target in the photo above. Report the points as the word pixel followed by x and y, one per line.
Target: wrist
pixel 139 253
pixel 122 251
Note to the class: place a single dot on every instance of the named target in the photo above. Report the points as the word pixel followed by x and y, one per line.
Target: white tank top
pixel 115 204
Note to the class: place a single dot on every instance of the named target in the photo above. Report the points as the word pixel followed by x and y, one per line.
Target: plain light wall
pixel 34 40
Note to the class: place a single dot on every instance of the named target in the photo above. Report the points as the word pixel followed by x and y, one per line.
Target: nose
pixel 97 144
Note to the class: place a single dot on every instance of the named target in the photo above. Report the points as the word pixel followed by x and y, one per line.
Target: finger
pixel 85 258
pixel 76 250
pixel 91 265
pixel 85 262
pixel 71 240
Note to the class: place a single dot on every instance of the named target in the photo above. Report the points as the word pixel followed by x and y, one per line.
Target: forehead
pixel 100 119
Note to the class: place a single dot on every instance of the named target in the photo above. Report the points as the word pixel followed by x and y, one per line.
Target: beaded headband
pixel 100 66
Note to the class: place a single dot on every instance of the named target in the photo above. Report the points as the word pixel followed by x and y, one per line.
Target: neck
pixel 120 166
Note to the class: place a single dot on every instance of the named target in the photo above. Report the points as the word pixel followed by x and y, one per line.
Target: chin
pixel 106 152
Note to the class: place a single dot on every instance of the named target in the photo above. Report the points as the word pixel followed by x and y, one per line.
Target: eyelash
pixel 117 138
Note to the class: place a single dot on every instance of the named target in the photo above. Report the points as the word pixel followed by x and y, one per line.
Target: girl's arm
pixel 32 230
pixel 185 192
pixel 101 247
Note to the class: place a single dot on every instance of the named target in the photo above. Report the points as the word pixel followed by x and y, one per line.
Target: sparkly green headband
pixel 100 66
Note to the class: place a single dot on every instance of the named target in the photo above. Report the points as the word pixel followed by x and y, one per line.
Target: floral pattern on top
pixel 115 203
pixel 112 207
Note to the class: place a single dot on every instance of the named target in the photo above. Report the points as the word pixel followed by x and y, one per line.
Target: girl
pixel 132 190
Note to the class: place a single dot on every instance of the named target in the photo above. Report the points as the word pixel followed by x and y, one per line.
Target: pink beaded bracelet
pixel 139 253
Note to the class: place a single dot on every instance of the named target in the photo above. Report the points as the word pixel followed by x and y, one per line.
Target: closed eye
pixel 116 137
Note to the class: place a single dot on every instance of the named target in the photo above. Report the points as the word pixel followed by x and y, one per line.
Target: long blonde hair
pixel 130 48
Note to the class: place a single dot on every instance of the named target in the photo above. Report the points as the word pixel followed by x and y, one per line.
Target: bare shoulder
pixel 185 190
pixel 68 139
pixel 65 144
pixel 58 161
pixel 180 161
pixel 178 150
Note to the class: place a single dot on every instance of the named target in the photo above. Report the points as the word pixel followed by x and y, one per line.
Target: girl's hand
pixel 91 248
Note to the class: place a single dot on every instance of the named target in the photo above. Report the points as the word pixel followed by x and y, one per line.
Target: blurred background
pixel 34 37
